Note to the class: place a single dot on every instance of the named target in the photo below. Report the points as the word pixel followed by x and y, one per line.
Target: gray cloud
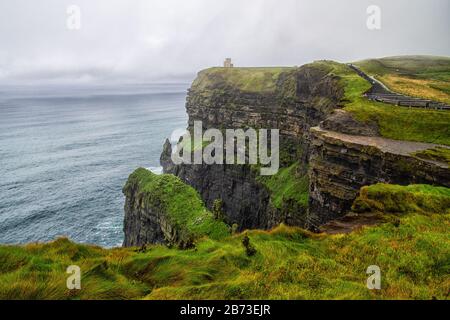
pixel 152 39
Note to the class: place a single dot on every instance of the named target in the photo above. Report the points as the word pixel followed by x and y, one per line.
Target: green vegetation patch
pixel 440 154
pixel 255 80
pixel 396 199
pixel 38 272
pixel 287 185
pixel 180 202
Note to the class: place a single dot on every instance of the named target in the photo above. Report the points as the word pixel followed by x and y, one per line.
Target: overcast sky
pixel 147 40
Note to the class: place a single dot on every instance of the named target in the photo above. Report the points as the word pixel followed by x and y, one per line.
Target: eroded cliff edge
pixel 327 151
pixel 341 164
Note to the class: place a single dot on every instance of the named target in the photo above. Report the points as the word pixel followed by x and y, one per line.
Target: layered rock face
pixel 300 99
pixel 244 200
pixel 340 164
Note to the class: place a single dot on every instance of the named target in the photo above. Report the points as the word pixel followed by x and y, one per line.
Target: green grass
pixel 181 203
pixel 255 80
pixel 388 198
pixel 38 271
pixel 437 154
pixel 290 263
pixel 394 122
pixel 288 184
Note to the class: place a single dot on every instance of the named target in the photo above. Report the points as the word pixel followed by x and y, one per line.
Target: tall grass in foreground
pixel 413 253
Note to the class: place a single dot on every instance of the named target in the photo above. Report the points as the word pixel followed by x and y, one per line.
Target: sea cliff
pixel 333 142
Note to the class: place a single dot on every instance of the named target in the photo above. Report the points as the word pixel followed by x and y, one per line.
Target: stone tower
pixel 227 63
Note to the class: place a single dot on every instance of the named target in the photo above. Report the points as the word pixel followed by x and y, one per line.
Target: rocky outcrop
pixel 340 164
pixel 144 223
pixel 164 210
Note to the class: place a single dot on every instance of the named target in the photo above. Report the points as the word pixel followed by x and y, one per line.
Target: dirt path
pixel 400 147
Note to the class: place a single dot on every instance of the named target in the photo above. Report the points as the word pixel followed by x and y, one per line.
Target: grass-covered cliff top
pixel 255 80
pixel 395 122
pixel 413 254
pixel 417 76
pixel 179 201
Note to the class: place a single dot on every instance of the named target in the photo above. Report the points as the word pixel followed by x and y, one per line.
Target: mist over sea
pixel 66 152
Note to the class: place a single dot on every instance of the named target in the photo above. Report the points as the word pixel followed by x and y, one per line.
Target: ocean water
pixel 66 152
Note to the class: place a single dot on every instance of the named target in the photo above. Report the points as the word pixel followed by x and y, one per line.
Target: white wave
pixel 156 170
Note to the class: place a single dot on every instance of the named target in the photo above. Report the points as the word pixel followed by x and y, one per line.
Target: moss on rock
pixel 289 184
pixel 174 205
